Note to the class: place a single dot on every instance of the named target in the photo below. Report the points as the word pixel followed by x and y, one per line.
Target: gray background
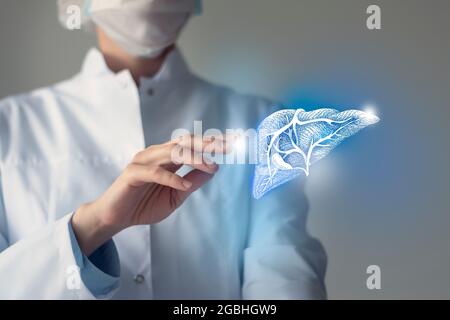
pixel 382 198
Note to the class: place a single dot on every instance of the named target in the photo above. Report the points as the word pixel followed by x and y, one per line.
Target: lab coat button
pixel 139 279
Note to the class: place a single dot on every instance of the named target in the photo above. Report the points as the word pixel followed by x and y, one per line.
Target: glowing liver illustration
pixel 290 141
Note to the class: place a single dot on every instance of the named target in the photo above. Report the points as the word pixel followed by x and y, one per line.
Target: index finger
pixel 204 144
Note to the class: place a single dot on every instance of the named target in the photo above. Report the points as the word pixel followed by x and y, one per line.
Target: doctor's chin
pixel 195 151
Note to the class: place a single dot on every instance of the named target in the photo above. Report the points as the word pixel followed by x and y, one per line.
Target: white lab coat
pixel 63 145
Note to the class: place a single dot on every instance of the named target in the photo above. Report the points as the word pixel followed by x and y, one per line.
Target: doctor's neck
pixel 118 59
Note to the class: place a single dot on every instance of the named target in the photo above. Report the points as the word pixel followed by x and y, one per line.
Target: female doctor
pixel 91 205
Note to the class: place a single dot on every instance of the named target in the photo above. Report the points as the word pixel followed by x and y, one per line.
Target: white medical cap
pixel 68 8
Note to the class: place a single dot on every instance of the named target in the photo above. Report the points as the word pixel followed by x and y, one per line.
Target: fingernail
pixel 187 184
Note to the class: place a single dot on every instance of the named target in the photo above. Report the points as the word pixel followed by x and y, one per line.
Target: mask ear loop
pixel 86 7
pixel 199 8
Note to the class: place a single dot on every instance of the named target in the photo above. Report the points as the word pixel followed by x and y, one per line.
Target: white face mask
pixel 143 28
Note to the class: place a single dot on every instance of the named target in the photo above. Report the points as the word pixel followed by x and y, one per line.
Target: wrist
pixel 90 229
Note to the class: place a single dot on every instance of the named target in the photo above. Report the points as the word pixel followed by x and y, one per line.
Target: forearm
pixel 90 229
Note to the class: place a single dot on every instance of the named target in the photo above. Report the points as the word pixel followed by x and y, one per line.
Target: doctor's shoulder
pixel 17 112
pixel 40 99
pixel 37 98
